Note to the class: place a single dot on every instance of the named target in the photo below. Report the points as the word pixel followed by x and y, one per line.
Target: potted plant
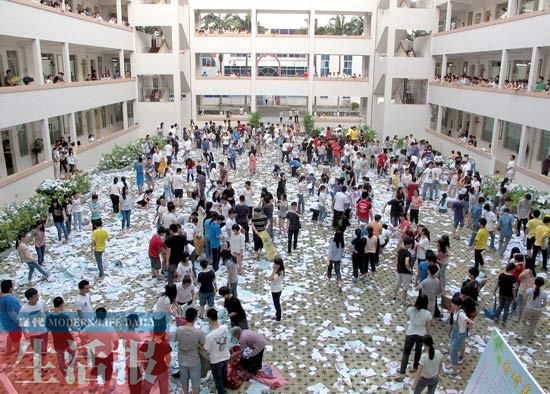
pixel 354 106
pixel 37 148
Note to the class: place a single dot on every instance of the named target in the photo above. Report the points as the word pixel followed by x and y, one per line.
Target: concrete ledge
pixel 491 90
pixel 61 85
pixel 72 14
pixel 494 22
pixel 470 148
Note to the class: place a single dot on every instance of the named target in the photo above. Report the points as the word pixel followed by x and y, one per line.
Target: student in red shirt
pixel 381 162
pixel 364 209
pixel 156 247
pixel 412 187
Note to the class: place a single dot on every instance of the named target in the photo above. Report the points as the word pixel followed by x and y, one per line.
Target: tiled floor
pixel 324 334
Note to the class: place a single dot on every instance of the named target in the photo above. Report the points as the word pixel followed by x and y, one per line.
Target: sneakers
pixel 461 360
pixel 450 371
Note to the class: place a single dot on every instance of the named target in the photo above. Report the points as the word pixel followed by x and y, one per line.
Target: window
pixel 13 63
pixel 487 130
pixel 347 64
pixel 54 124
pixel 130 106
pixel 512 136
pixel 78 122
pixel 325 63
pixel 544 147
pixel 118 112
pixel 103 117
pixel 208 61
pixel 23 139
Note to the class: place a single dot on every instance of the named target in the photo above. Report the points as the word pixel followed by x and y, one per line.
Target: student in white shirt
pixel 32 319
pixel 83 302
pixel 217 346
pixel 186 291
pixel 430 366
pixel 236 245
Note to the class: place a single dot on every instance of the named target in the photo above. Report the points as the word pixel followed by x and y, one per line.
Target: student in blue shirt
pixel 9 310
pixel 215 234
pixel 505 226
pixel 475 214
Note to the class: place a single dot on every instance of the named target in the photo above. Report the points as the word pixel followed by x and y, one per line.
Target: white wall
pixel 57 27
pixel 504 34
pixel 505 105
pixel 53 100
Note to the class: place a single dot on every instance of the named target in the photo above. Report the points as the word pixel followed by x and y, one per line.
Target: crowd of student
pixel 465 80
pixel 230 228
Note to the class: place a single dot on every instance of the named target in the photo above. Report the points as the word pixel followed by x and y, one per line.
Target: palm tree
pixel 337 25
pixel 211 21
pixel 239 23
pixel 355 26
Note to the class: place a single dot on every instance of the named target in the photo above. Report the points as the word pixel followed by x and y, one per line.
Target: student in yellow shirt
pixel 531 227
pixel 99 241
pixel 480 242
pixel 542 233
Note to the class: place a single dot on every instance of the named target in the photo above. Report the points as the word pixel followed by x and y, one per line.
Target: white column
pixel 177 73
pixel 63 4
pixel 46 139
pixel 439 118
pixel 443 66
pixel 72 127
pixel 125 115
pixel 311 59
pixel 121 63
pixel 503 68
pixel 533 71
pixel 66 62
pixel 520 159
pixel 37 61
pixel 541 5
pixel 494 138
pixel 253 56
pixel 119 11
pixel 512 7
pixel 449 15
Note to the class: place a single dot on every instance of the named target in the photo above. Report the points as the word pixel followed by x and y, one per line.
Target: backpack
pixel 363 208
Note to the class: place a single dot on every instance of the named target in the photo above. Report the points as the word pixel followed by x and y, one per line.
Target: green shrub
pixel 123 156
pixel 368 134
pixel 309 124
pixel 255 119
pixel 18 218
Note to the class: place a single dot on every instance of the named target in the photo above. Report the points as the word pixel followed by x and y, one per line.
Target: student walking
pixel 505 287
pixel 293 227
pixel 39 235
pixel 371 250
pixel 100 236
pixel 480 242
pixel 418 326
pixel 114 193
pixel 335 255
pixel 276 279
pixel 27 257
pixel 126 203
pixel 431 363
pixel 358 255
pixel 535 304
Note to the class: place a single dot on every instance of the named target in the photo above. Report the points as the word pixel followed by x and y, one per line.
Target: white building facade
pixel 130 65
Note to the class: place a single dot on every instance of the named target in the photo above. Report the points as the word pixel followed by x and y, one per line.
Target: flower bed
pixel 17 218
pixel 123 156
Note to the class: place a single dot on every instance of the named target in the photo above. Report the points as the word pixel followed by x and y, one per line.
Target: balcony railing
pixel 61 85
pixel 493 22
pixel 82 16
pixel 519 92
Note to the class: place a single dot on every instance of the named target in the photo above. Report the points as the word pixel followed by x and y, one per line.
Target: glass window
pixel 72 61
pixel 13 63
pixel 103 117
pixel 487 130
pixel 118 112
pixel 54 124
pixel 23 139
pixel 347 64
pixel 325 63
pixel 78 122
pixel 208 61
pixel 130 106
pixel 512 136
pixel 544 147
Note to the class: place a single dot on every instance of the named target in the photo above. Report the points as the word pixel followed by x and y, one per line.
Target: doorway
pixel 6 148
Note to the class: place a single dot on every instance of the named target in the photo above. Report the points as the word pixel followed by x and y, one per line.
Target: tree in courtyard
pixel 255 119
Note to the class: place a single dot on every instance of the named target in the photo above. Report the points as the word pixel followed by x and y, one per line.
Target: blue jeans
pixel 77 220
pixel 425 188
pixel 33 265
pixel 503 241
pixel 492 245
pixel 61 228
pixel 99 260
pixel 436 189
pixel 125 218
pixel 473 236
pixel 503 304
pixel 322 213
pixel 457 340
pixel 40 251
pixel 219 373
pixel 301 203
pixel 168 193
